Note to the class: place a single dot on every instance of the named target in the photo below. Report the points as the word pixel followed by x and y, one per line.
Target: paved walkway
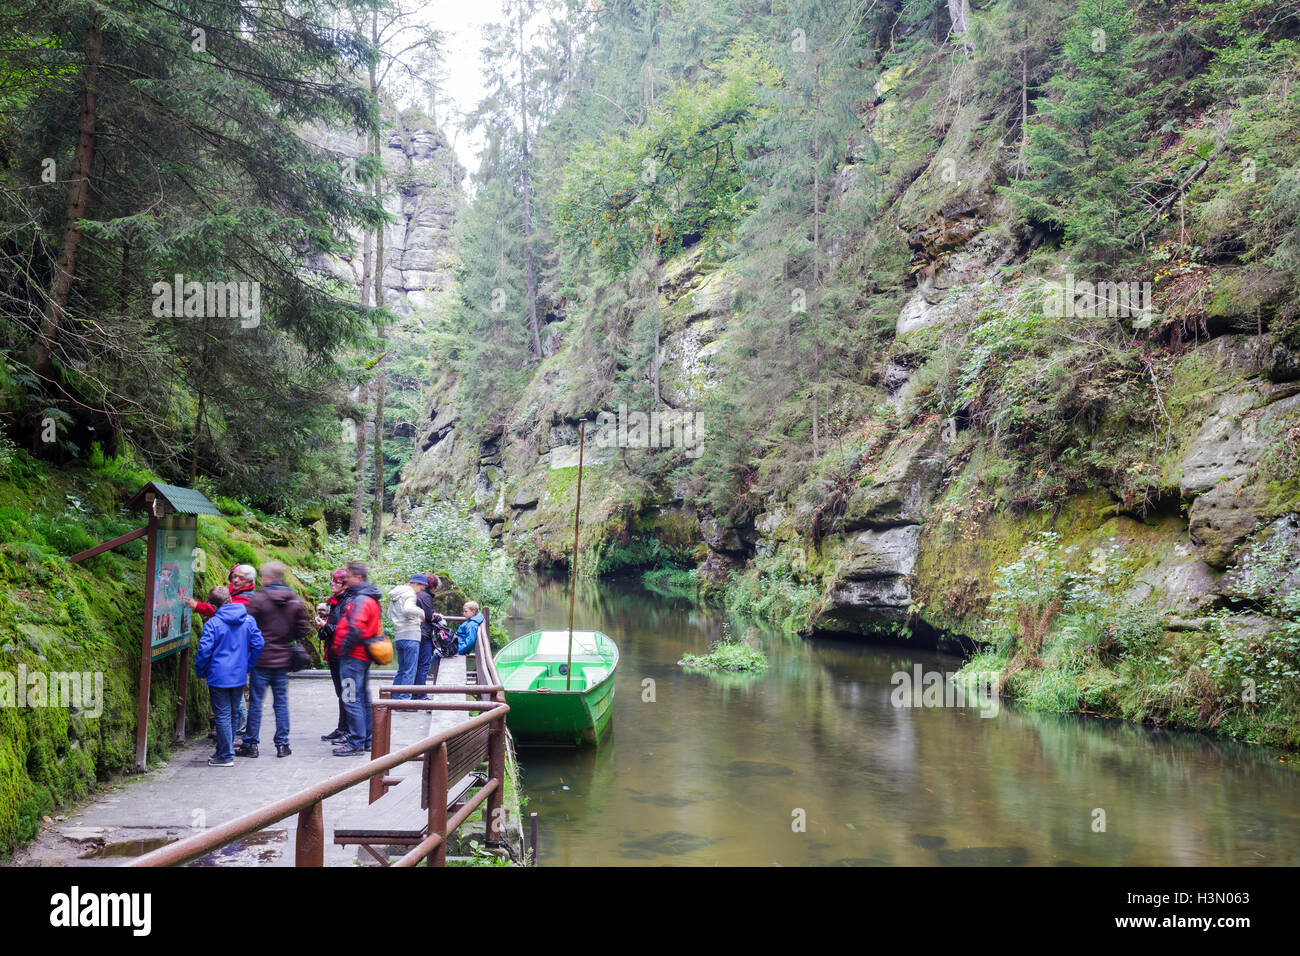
pixel 185 794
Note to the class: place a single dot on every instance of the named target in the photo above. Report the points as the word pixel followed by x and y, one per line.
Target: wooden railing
pixel 433 751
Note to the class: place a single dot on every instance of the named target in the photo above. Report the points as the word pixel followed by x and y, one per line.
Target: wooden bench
pixel 401 816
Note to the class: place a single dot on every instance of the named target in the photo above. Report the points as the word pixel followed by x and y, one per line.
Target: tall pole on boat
pixel 573 564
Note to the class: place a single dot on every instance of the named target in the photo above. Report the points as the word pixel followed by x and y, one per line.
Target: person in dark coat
pixel 230 646
pixel 282 616
pixel 326 622
pixel 429 658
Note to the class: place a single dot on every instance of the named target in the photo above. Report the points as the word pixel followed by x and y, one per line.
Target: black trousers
pixel 342 726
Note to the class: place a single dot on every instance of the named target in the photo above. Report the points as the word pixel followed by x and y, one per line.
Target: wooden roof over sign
pixel 185 501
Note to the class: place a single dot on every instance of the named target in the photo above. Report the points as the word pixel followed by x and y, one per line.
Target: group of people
pixel 250 640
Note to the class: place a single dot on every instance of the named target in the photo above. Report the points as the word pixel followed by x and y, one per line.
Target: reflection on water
pixel 716 770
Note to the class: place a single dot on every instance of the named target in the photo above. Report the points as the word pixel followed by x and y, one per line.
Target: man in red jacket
pixel 360 622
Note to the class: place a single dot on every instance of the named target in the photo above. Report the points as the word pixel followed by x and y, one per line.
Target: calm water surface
pixel 715 768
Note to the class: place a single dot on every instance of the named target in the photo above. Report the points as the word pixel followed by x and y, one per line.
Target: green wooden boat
pixel 533 672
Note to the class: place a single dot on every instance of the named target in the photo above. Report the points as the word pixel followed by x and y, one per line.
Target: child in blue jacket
pixel 467 633
pixel 229 648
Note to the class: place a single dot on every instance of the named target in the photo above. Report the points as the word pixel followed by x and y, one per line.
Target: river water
pixel 811 764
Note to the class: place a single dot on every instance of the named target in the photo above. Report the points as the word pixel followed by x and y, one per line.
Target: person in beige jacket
pixel 406 616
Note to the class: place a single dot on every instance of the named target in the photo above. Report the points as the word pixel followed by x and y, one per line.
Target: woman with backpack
pixel 360 623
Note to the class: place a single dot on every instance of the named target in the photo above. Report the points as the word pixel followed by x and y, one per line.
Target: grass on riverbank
pixel 1067 637
pixel 673 583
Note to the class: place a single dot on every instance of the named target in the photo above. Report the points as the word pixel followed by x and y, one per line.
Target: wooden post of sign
pixel 146 646
pixel 183 679
pixel 182 686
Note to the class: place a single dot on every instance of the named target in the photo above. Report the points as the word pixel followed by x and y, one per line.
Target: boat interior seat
pixel 556 643
pixel 595 675
pixel 522 677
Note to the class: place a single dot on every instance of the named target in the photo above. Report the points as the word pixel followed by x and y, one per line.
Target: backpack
pixel 444 641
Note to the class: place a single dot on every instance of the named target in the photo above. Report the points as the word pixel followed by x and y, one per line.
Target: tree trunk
pixel 359 489
pixel 959 14
pixel 654 252
pixel 530 269
pixel 817 255
pixel 377 502
pixel 1024 101
pixel 377 506
pixel 202 404
pixel 366 253
pixel 54 309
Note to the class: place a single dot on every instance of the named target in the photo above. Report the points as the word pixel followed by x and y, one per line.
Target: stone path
pixel 172 802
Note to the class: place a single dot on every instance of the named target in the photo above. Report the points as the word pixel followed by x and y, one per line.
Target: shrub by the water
pixel 672 582
pixel 726 656
pixel 1064 636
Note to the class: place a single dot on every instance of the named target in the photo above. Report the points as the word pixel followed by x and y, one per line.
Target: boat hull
pixel 550 714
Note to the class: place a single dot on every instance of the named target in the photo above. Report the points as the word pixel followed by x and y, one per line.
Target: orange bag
pixel 380 650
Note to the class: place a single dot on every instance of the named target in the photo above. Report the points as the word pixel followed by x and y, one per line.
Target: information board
pixel 173 581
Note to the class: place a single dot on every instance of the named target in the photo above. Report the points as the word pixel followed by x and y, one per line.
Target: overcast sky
pixel 462 21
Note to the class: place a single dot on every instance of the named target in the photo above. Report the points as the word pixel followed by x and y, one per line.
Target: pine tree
pixel 215 183
pixel 1085 136
pixel 788 368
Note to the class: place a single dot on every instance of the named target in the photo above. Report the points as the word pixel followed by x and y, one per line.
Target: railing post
pixel 380 741
pixel 437 798
pixel 497 772
pixel 310 842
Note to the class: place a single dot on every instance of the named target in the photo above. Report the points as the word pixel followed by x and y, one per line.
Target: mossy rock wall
pixel 87 619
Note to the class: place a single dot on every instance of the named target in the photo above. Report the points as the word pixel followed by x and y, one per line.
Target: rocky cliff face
pixel 914 542
pixel 425 181
pixel 914 534
pixel 915 545
pixel 519 480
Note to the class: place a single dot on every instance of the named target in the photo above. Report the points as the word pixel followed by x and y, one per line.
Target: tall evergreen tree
pixel 172 135
pixel 786 372
pixel 1085 136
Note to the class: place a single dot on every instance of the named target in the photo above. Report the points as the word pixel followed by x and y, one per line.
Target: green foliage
pixel 771 590
pixel 1087 133
pixel 1254 669
pixel 677 176
pixel 1065 636
pixel 228 506
pixel 635 554
pixel 240 196
pixel 479 855
pixel 1049 587
pixel 727 656
pixel 443 541
pixel 673 582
